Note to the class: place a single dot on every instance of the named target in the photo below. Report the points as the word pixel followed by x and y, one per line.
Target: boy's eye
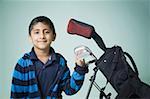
pixel 36 32
pixel 47 32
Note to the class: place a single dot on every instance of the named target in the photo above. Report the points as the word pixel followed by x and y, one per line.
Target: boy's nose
pixel 42 35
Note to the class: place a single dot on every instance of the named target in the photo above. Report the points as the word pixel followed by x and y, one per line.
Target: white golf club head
pixel 83 52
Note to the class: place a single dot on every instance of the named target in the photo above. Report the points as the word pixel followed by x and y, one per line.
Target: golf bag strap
pixel 132 61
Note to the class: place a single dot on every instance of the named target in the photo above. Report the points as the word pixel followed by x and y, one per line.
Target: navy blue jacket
pixel 25 84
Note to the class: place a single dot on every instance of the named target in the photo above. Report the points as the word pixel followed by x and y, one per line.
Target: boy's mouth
pixel 42 41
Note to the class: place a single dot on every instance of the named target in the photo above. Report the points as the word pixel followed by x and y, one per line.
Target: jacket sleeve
pixel 21 79
pixel 72 84
pixel 17 90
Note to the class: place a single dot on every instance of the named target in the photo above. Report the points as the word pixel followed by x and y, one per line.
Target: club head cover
pixel 80 28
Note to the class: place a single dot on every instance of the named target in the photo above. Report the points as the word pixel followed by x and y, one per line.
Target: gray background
pixel 122 22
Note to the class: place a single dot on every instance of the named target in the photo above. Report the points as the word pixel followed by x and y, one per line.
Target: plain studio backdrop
pixel 119 22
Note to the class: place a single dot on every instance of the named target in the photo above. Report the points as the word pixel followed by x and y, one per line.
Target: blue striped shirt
pixel 25 81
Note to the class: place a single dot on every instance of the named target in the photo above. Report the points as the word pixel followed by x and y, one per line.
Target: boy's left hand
pixel 80 62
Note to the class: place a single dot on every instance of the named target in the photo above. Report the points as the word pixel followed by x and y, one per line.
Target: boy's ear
pixel 54 37
pixel 29 38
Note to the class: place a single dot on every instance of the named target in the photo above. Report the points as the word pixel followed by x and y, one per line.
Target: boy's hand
pixel 80 62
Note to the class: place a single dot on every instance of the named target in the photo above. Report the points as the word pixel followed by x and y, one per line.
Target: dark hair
pixel 44 20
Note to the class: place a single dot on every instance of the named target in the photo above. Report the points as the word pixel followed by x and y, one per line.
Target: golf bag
pixel 114 65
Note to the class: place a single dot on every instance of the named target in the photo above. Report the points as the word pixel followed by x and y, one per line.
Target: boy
pixel 42 73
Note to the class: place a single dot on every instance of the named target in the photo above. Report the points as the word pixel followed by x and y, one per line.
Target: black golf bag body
pixel 114 65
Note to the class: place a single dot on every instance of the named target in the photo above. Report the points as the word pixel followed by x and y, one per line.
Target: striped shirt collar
pixel 52 56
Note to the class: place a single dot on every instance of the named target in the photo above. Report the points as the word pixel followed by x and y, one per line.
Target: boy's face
pixel 41 36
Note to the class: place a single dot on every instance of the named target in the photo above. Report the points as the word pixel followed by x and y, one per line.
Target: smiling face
pixel 41 36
